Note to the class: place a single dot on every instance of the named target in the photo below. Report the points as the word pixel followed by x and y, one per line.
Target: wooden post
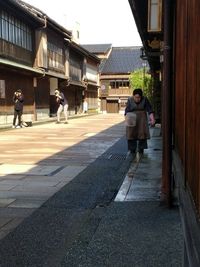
pixel 167 106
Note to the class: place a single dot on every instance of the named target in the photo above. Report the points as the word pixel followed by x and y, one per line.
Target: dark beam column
pixel 167 104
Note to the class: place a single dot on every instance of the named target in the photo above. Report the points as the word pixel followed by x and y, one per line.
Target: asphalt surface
pixel 84 223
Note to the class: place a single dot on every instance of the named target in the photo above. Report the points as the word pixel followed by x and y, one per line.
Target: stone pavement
pixel 142 181
pixel 80 200
pixel 36 162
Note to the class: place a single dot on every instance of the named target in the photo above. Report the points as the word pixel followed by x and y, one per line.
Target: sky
pixel 100 21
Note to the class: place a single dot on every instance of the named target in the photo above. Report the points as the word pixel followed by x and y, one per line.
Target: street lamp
pixel 143 55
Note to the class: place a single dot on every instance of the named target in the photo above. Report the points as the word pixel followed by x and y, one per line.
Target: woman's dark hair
pixel 137 91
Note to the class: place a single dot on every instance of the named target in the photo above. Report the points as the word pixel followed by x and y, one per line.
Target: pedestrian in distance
pixel 63 106
pixel 18 99
pixel 137 128
pixel 85 106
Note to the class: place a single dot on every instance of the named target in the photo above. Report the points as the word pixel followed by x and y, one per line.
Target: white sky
pixel 101 21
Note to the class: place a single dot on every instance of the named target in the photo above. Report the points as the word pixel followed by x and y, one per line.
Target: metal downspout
pixel 167 105
pixel 43 75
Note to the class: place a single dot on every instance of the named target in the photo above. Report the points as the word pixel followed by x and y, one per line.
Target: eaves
pixel 83 51
pixel 36 17
pixel 56 75
pixel 12 64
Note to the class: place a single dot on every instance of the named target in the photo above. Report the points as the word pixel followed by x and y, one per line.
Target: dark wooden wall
pixel 23 82
pixel 74 96
pixel 42 93
pixel 92 97
pixel 19 54
pixel 187 93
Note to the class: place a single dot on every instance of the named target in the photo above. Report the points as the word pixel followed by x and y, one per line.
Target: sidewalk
pixel 8 126
pixel 142 182
pixel 108 215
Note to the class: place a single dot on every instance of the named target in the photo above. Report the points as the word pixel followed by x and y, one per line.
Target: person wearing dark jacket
pixel 62 105
pixel 18 100
pixel 137 130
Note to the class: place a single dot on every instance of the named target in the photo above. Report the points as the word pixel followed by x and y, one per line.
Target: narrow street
pixel 71 195
pixel 36 162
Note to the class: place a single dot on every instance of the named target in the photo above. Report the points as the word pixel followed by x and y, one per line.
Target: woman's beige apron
pixel 141 129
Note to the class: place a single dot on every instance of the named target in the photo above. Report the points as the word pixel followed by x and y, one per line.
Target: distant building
pixel 116 65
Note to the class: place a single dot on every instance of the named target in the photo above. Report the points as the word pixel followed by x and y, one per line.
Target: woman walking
pixel 137 134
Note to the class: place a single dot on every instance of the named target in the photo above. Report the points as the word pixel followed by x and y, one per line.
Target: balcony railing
pixel 121 91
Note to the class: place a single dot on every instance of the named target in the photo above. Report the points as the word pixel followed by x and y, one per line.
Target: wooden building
pixel 171 38
pixel 88 77
pixel 116 65
pixel 37 55
pixel 17 56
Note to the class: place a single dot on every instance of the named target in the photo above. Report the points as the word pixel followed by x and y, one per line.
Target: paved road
pixel 78 223
pixel 36 162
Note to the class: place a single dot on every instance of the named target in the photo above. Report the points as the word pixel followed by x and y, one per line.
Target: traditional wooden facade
pixel 17 56
pixel 37 55
pixel 116 65
pixel 114 78
pixel 175 52
pixel 83 75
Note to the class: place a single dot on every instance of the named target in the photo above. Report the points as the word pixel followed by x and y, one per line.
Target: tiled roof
pixel 123 60
pixel 37 13
pixel 102 64
pixel 97 48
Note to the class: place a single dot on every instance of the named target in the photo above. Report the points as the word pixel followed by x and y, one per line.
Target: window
pixel 115 84
pixel 112 84
pixel 15 31
pixel 75 68
pixel 125 83
pixel 55 54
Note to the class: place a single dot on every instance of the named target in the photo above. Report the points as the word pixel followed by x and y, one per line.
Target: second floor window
pixel 75 70
pixel 55 55
pixel 114 84
pixel 14 31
